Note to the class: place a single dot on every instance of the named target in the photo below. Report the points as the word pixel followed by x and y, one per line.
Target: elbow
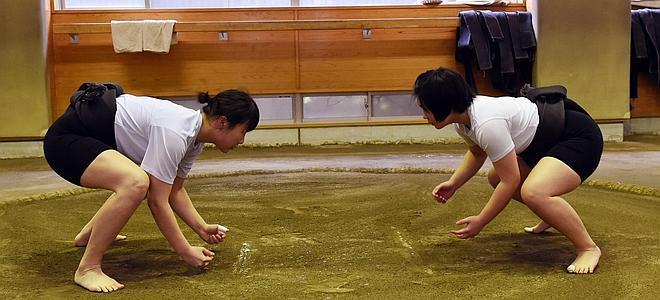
pixel 513 182
pixel 156 204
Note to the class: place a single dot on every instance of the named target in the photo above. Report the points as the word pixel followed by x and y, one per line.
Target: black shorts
pixel 77 137
pixel 580 146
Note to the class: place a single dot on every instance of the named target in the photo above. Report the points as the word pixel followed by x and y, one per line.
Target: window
pixel 335 107
pixel 355 2
pixel 217 3
pixel 141 4
pixel 394 105
pixel 76 4
pixel 327 108
pixel 275 108
pixel 121 4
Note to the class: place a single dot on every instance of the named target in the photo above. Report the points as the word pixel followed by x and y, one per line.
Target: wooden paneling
pixel 647 105
pixel 262 62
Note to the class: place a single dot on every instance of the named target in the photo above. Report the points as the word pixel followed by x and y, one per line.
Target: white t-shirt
pixel 159 135
pixel 500 124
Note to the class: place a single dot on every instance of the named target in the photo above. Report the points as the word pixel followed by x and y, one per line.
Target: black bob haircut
pixel 442 91
pixel 237 106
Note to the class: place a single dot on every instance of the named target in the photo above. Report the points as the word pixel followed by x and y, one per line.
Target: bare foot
pixel 585 262
pixel 94 280
pixel 82 239
pixel 539 228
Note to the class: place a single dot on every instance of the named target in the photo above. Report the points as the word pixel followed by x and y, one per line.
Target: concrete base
pixel 612 132
pixel 403 134
pixel 21 149
pixel 642 126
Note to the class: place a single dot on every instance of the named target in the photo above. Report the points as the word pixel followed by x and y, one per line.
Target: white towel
pixel 126 36
pixel 157 35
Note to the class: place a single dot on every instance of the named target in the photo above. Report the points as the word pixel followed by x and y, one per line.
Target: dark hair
pixel 442 91
pixel 237 106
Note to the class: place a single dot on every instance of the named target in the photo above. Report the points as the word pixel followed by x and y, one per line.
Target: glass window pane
pixel 72 4
pixel 341 106
pixel 391 105
pixel 259 3
pixel 275 108
pixel 218 3
pixel 355 2
pixel 188 3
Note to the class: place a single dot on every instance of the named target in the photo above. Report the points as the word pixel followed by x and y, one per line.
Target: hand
pixel 442 192
pixel 211 234
pixel 197 256
pixel 472 228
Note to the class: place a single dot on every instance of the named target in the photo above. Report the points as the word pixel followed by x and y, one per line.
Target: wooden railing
pixel 275 25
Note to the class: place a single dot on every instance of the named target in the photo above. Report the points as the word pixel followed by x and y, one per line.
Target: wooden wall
pixel 647 104
pixel 261 62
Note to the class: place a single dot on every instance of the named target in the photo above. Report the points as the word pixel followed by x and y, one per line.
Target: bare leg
pixel 113 171
pixel 83 236
pixel 550 178
pixel 494 180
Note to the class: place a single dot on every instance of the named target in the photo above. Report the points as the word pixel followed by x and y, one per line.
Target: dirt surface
pixel 339 235
pixel 297 234
pixel 633 162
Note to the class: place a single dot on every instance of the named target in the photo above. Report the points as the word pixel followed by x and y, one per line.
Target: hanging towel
pixel 126 36
pixel 157 35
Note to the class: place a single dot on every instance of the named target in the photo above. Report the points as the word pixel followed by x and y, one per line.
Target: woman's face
pixel 431 119
pixel 225 137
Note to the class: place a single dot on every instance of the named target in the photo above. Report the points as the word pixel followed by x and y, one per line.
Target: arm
pixel 472 161
pixel 182 205
pixel 509 173
pixel 159 193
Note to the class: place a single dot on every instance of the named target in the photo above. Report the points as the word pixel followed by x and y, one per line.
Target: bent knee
pixel 135 186
pixel 531 196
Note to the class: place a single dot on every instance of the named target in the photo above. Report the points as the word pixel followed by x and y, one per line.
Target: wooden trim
pixel 21 139
pixel 610 121
pixel 343 124
pixel 514 6
pixel 310 125
pixel 275 25
pixel 379 123
pixel 304 92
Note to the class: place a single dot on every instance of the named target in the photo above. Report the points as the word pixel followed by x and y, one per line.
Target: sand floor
pixel 341 233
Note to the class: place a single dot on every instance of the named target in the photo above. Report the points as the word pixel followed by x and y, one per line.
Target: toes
pixel 571 269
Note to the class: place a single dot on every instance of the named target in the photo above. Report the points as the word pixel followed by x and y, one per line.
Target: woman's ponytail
pixel 203 97
pixel 237 106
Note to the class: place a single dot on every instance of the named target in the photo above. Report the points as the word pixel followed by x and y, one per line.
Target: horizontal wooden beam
pixel 412 121
pixel 275 25
pixel 416 121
